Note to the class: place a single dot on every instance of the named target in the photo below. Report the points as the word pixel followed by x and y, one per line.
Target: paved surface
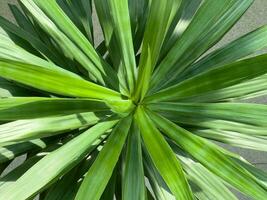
pixel 254 17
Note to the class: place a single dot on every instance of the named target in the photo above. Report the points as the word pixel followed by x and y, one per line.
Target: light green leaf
pixel 99 174
pixel 54 80
pixel 35 107
pixel 32 182
pixel 133 182
pixel 212 158
pixel 163 157
pixel 212 20
pixel 23 130
pixel 159 187
pixel 222 77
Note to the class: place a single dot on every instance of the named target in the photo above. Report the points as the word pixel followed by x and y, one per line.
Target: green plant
pixel 145 103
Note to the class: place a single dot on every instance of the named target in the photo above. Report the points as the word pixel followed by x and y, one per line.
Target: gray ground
pixel 255 17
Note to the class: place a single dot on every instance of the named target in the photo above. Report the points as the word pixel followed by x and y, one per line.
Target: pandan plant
pixel 142 115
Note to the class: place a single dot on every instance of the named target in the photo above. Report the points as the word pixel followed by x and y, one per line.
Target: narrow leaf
pixel 212 158
pixel 133 172
pixel 35 107
pixel 99 174
pixel 221 77
pixel 32 182
pixel 23 130
pixel 163 157
pixel 212 20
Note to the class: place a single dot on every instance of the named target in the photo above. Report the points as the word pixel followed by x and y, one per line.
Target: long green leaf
pixel 212 158
pixel 179 24
pixel 138 10
pixel 80 12
pixel 35 107
pixel 242 91
pixel 224 76
pixel 23 130
pixel 234 138
pixel 249 120
pixel 35 42
pixel 158 186
pixel 211 22
pixel 163 157
pixel 53 80
pixel 67 187
pixel 159 19
pixel 238 49
pixel 122 29
pixel 247 113
pixel 133 182
pixel 207 185
pixel 98 175
pixel 74 44
pixel 31 182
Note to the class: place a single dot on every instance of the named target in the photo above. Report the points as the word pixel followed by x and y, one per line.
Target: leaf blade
pixel 160 153
pixel 98 175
